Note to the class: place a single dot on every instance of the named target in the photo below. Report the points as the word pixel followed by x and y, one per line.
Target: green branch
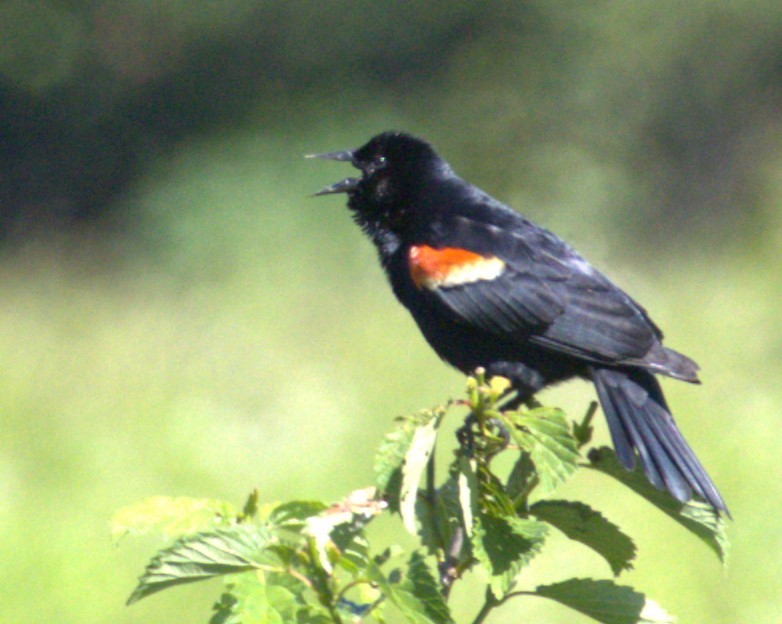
pixel 311 561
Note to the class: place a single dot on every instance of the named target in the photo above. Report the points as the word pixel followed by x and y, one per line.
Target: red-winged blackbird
pixel 490 289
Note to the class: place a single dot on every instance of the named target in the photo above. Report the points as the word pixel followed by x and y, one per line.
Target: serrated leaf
pixel 520 479
pixel 544 433
pixel 438 523
pixel 249 599
pixel 468 492
pixel 606 602
pixel 583 524
pixel 203 556
pixel 417 595
pixel 697 517
pixel 295 513
pixel 355 557
pixel 421 584
pixel 493 498
pixel 334 529
pixel 503 545
pixel 416 458
pixel 390 457
pixel 171 516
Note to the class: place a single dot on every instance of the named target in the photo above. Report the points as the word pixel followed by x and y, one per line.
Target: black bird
pixel 488 288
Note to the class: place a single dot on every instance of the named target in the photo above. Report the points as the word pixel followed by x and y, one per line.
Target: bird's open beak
pixel 343 186
pixel 345 156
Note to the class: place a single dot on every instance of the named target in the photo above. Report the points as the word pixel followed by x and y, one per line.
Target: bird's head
pixel 395 167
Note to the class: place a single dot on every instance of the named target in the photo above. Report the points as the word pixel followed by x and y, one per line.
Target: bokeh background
pixel 178 317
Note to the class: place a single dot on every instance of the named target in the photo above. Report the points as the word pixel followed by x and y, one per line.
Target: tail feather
pixel 640 421
pixel 668 362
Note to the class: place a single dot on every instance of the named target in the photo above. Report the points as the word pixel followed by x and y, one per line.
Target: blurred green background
pixel 178 317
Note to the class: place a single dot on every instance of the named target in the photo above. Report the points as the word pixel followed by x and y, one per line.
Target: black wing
pixel 546 294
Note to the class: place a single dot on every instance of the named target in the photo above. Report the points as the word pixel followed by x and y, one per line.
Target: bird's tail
pixel 640 421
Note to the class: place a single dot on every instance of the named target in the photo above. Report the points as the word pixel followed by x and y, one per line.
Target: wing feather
pixel 547 294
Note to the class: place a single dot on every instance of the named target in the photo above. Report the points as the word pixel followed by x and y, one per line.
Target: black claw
pixel 466 436
pixel 502 430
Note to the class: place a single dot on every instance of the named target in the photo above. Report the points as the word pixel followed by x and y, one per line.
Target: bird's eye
pixel 376 165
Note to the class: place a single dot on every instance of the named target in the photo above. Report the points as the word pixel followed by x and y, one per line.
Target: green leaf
pixel 416 458
pixel 355 557
pixel 606 602
pixel 581 523
pixel 503 545
pixel 417 595
pixel 335 529
pixel 171 517
pixel 295 513
pixel 438 522
pixel 697 517
pixel 204 556
pixel 521 478
pixel 421 584
pixel 493 498
pixel 249 599
pixel 391 455
pixel 468 492
pixel 544 433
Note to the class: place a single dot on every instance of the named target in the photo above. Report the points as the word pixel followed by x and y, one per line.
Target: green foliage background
pixel 215 329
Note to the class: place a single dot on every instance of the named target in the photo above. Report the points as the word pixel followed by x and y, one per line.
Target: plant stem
pixel 321 584
pixel 489 603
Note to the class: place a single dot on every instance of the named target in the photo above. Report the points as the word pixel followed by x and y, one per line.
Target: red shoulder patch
pixel 450 266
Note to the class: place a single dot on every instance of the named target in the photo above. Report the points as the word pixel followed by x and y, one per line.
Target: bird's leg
pixel 466 435
pixel 519 394
pixel 501 430
pixel 521 397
